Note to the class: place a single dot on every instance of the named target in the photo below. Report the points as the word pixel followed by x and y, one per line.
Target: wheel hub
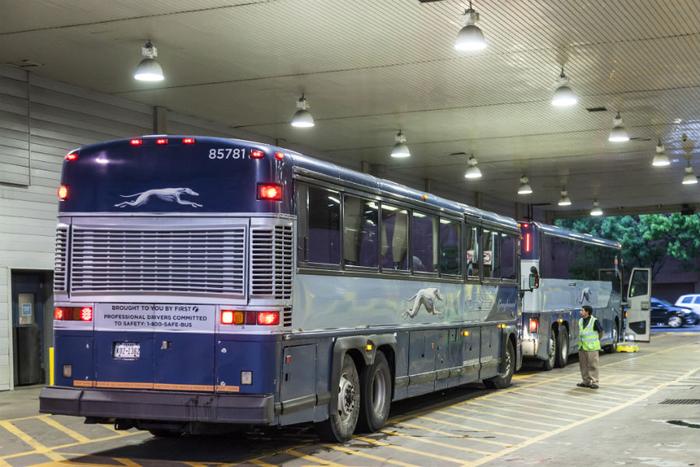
pixel 346 396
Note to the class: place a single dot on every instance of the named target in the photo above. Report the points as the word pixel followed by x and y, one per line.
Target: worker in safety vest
pixel 589 334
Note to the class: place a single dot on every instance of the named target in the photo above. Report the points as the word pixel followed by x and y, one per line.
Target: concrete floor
pixel 543 419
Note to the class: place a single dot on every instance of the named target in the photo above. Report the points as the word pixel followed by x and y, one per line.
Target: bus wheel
pixel 503 380
pixel 375 381
pixel 562 347
pixel 612 347
pixel 341 423
pixel 551 352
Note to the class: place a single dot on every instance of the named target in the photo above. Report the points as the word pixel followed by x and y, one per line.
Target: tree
pixel 647 240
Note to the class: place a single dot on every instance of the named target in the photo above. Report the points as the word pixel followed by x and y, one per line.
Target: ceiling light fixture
pixel 596 211
pixel 400 149
pixel 564 199
pixel 564 96
pixel 524 188
pixel 618 133
pixel 470 37
pixel 689 178
pixel 473 171
pixel 660 158
pixel 149 69
pixel 302 117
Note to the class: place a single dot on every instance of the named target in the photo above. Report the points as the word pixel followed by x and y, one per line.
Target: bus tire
pixel 613 346
pixel 503 380
pixel 562 347
pixel 551 360
pixel 375 395
pixel 341 423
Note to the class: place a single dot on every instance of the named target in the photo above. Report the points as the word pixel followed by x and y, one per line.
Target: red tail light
pixel 257 154
pixel 72 156
pixel 270 191
pixel 188 141
pixel 161 141
pixel 73 313
pixel 534 325
pixel 268 318
pixel 63 192
pixel 136 141
pixel 279 155
pixel 528 242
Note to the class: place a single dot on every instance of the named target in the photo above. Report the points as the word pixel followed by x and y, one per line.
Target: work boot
pixel 593 386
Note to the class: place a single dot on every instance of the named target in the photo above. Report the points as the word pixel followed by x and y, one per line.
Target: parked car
pixel 691 301
pixel 663 312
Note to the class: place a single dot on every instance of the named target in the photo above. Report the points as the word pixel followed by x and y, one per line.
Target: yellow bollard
pixel 51 371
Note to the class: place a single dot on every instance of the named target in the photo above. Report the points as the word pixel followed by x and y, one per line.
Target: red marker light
pixel 162 141
pixel 534 324
pixel 59 314
pixel 526 225
pixel 86 313
pixel 226 316
pixel 188 141
pixel 136 141
pixel 256 154
pixel 268 318
pixel 279 155
pixel 62 192
pixel 269 191
pixel 72 156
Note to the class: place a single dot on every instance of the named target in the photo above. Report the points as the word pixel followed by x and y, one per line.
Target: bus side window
pixel 323 244
pixel 424 242
pixel 450 235
pixel 394 237
pixel 472 251
pixel 360 219
pixel 506 258
pixel 489 254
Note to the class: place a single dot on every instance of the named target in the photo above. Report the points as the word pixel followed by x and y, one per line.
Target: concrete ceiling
pixel 370 67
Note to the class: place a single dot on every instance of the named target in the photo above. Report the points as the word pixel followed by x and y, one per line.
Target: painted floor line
pixel 382 460
pixel 456 436
pixel 472 410
pixel 544 436
pixel 435 443
pixel 489 422
pixel 30 441
pixel 516 409
pixel 72 433
pixel 452 460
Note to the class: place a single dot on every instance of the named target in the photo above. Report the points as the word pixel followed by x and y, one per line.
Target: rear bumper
pixel 158 405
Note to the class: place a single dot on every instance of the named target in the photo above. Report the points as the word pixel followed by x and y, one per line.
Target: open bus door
pixel 639 305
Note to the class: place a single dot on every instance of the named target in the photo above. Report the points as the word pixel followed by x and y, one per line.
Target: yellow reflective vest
pixel 588 339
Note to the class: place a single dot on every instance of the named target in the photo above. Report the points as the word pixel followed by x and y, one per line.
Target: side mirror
pixel 534 278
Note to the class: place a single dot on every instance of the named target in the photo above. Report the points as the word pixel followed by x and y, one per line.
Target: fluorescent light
pixel 524 188
pixel 563 95
pixel 470 37
pixel 302 118
pixel 618 134
pixel 473 171
pixel 400 149
pixel 660 158
pixel 596 211
pixel 149 69
pixel 689 178
pixel 564 200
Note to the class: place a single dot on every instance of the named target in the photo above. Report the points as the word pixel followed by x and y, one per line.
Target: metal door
pixel 639 305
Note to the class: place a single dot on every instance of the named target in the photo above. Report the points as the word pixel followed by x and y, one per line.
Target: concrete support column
pixel 478 200
pixel 427 185
pixel 160 120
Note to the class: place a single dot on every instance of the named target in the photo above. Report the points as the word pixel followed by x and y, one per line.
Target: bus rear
pixel 173 277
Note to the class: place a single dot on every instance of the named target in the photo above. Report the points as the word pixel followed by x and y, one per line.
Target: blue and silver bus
pixel 572 269
pixel 207 283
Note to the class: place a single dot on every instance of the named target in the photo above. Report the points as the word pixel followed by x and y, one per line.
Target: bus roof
pixel 582 237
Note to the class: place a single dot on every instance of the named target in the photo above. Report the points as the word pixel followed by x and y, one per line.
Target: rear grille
pixel 197 261
pixel 59 265
pixel 681 401
pixel 271 255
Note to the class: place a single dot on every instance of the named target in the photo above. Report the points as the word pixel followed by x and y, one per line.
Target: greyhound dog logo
pixel 166 194
pixel 424 297
pixel 585 297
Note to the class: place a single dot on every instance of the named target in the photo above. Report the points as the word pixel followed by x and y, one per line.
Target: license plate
pixel 126 350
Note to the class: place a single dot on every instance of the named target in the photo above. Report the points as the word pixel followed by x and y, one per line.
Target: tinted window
pixel 394 250
pixel 639 283
pixel 360 220
pixel 687 299
pixel 489 253
pixel 424 242
pixel 506 260
pixel 697 300
pixel 323 244
pixel 449 246
pixel 564 258
pixel 472 251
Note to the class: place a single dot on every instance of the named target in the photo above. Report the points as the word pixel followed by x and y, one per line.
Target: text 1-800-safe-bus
pixel 203 282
